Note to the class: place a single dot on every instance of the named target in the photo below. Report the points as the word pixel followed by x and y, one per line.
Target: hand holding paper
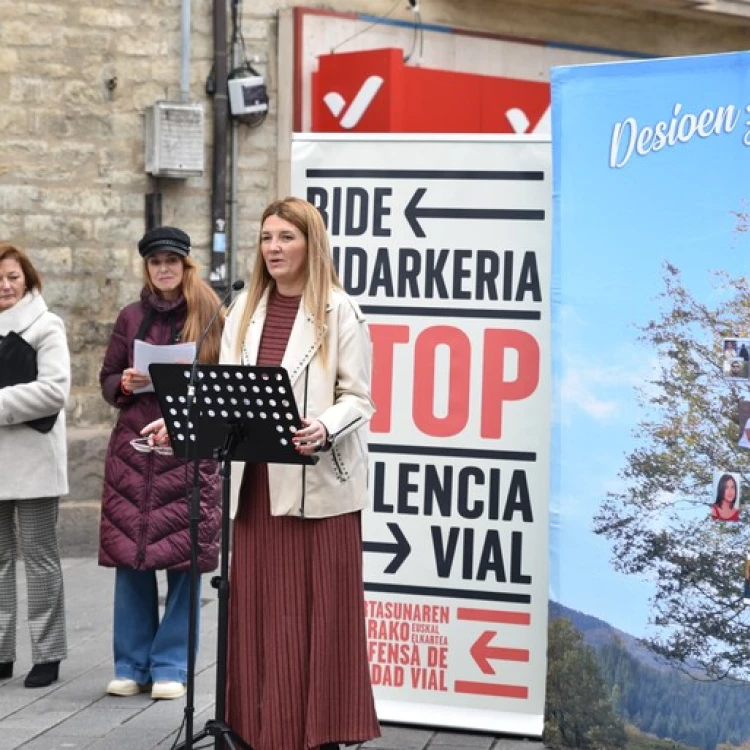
pixel 134 381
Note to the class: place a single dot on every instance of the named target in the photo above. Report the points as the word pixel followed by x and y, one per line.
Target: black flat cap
pixel 164 239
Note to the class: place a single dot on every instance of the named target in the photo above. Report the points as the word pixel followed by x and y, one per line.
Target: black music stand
pixel 234 413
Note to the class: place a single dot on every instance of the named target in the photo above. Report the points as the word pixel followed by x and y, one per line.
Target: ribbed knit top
pixel 280 317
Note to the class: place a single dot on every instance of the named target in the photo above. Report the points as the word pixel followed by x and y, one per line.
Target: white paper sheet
pixel 146 354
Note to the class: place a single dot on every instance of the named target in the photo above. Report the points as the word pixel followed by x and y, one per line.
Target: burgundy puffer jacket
pixel 145 521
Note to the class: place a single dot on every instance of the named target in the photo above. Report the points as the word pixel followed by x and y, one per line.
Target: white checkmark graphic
pixel 520 122
pixel 517 119
pixel 362 100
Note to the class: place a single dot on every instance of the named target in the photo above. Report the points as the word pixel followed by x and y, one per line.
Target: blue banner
pixel 650 583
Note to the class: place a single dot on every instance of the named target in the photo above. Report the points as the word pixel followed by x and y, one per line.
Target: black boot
pixel 6 670
pixel 42 675
pixel 330 746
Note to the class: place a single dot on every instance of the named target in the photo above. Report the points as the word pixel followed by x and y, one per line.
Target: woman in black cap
pixel 145 519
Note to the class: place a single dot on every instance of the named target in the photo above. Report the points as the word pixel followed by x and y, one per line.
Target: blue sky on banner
pixel 650 160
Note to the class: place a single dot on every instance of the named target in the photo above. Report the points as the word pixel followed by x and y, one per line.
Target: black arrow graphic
pixel 413 212
pixel 400 548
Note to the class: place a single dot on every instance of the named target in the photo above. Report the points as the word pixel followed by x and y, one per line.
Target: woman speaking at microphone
pixel 145 519
pixel 298 676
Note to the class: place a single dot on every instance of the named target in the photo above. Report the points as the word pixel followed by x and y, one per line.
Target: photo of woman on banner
pixel 730 352
pixel 726 507
pixel 744 424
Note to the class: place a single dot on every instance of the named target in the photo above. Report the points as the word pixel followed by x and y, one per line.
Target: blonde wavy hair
pixel 202 302
pixel 321 274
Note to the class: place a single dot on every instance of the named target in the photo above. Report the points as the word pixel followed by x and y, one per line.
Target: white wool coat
pixel 35 464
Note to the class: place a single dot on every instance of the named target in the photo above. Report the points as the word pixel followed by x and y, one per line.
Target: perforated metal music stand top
pixel 255 402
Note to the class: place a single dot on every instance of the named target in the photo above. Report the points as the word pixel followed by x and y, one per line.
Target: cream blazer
pixel 336 392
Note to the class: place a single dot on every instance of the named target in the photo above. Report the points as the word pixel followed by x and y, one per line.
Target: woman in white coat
pixel 298 675
pixel 32 489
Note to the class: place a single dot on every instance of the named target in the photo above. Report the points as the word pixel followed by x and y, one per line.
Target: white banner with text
pixel 445 242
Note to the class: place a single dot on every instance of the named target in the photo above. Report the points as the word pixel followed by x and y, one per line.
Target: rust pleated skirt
pixel 297 669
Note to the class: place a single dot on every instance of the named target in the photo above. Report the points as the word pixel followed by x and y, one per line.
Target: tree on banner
pixel 660 524
pixel 579 711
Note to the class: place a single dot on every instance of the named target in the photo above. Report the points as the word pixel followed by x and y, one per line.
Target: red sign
pixel 373 91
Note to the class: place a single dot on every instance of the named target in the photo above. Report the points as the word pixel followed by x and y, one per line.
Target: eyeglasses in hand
pixel 142 445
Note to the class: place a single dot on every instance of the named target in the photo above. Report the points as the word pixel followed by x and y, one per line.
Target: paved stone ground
pixel 74 713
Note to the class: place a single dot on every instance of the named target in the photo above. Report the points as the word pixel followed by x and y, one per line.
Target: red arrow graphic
pixel 482 652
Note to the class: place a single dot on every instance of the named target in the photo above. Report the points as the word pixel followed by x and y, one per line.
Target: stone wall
pixel 75 79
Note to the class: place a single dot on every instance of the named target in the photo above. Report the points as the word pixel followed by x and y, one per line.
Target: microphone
pixel 236 287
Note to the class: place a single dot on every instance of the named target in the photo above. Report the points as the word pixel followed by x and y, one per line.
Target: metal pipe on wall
pixel 152 207
pixel 234 151
pixel 219 271
pixel 185 12
pixel 233 200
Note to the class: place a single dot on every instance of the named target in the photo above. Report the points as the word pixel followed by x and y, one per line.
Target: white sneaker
pixel 125 687
pixel 167 690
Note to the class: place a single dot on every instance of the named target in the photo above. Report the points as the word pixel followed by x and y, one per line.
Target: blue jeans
pixel 147 650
